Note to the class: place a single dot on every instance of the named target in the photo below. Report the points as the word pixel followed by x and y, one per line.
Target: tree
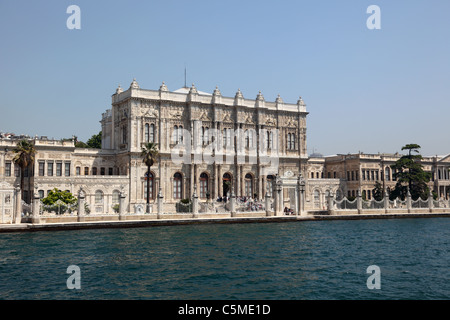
pixel 95 141
pixel 149 156
pixel 377 192
pixel 57 195
pixel 410 175
pixel 24 158
pixel 59 201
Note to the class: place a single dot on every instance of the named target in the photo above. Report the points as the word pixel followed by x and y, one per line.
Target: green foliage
pixel 57 195
pixel 149 153
pixel 81 144
pixel 185 201
pixel 95 141
pixel 116 208
pixel 377 192
pixel 410 175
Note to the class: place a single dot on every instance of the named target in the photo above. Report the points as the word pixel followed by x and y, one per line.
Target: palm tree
pixel 24 158
pixel 149 155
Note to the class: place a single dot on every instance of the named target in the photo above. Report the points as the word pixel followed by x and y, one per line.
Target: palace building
pixel 251 142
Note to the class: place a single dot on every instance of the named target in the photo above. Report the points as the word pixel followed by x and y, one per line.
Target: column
pixel 219 179
pixel 216 184
pixel 122 206
pixel 36 207
pixel 430 201
pixel 18 205
pixel 386 202
pixel 81 203
pixel 195 203
pixel 359 202
pixel 233 203
pixel 160 204
pixel 267 204
pixel 408 201
pixel 330 203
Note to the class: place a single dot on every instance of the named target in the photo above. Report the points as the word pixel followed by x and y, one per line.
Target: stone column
pixel 408 201
pixel 81 202
pixel 430 201
pixel 330 203
pixel 302 203
pixel 386 202
pixel 267 204
pixel 122 206
pixel 18 206
pixel 297 199
pixel 359 202
pixel 160 204
pixel 215 194
pixel 195 203
pixel 233 203
pixel 36 208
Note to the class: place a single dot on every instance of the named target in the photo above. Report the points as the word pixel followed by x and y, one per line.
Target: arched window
pixel 203 185
pixel 180 134
pixel 177 185
pixel 247 139
pixel 226 137
pixel 269 139
pixel 150 183
pixel 175 134
pixel 249 185
pixel 98 197
pixel 152 133
pixel 146 132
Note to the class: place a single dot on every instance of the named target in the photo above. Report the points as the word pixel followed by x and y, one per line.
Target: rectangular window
pixel 86 171
pixel 41 168
pixel 102 171
pixel 364 174
pixel 16 170
pixel 59 169
pixel 110 171
pixel 334 174
pixel 94 171
pixel 376 175
pixel 78 171
pixel 8 169
pixel 50 169
pixel 67 169
pixel 353 175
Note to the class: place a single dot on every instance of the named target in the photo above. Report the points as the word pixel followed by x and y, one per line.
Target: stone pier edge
pixel 30 227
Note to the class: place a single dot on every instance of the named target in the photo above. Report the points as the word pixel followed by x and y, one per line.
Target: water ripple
pixel 308 260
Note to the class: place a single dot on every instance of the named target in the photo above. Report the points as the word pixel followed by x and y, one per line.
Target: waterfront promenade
pixel 134 221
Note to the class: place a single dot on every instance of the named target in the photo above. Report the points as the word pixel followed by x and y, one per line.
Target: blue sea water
pixel 293 260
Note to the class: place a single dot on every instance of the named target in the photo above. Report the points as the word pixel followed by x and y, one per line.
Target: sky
pixel 366 90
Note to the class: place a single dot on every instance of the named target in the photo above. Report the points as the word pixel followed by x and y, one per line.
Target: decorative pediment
pixel 226 117
pixel 270 122
pixel 204 117
pixel 291 123
pixel 152 113
pixel 177 114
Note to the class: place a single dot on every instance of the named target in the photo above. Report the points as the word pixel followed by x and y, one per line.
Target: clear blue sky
pixel 366 90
